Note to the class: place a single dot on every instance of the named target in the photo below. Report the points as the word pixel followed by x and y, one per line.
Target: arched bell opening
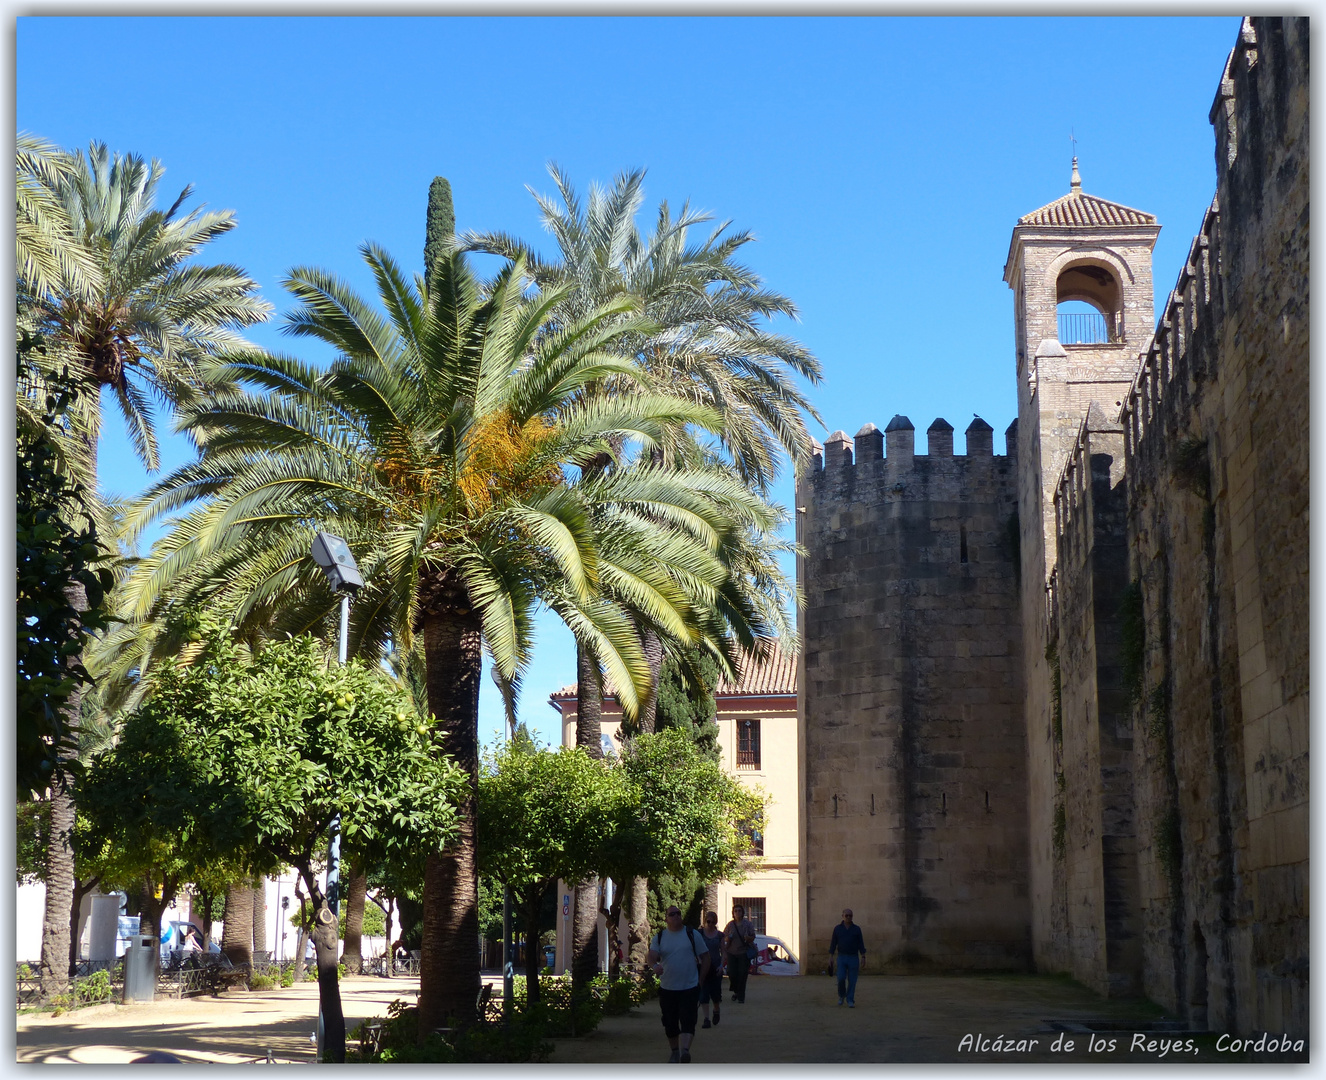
pixel 1090 305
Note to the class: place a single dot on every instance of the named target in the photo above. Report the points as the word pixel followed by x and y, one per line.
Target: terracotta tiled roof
pixel 1076 209
pixel 776 674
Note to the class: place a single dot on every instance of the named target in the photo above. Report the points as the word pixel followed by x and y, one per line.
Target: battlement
pixel 1253 109
pixel 1182 352
pixel 895 446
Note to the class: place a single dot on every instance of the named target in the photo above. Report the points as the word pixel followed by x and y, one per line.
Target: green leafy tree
pixel 689 824
pixel 252 755
pixel 445 444
pixel 543 816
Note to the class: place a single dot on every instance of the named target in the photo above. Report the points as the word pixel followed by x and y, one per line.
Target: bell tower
pixel 1077 248
pixel 1085 253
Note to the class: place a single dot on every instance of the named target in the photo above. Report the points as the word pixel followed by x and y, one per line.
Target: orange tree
pixel 246 759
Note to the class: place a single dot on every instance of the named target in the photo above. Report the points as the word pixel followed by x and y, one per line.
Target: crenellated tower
pixel 914 804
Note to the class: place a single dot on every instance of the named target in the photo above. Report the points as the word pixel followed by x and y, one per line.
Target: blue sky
pixel 881 162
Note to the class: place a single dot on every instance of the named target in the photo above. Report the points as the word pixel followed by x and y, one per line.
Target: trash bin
pixel 140 968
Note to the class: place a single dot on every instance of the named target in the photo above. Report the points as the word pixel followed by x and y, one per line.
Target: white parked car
pixel 773 957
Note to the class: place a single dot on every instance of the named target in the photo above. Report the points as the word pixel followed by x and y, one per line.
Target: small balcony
pixel 1086 329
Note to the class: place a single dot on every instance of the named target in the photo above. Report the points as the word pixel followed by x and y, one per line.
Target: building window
pixel 748 744
pixel 754 906
pixel 753 830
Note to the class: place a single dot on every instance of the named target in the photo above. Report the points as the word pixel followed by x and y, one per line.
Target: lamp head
pixel 333 555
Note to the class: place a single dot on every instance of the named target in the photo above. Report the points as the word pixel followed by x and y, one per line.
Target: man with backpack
pixel 681 966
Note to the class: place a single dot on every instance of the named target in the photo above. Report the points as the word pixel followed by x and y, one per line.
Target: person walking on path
pixel 711 988
pixel 682 966
pixel 850 945
pixel 739 943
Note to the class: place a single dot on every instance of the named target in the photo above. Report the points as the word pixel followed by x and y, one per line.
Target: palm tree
pixel 105 282
pixel 141 325
pixel 47 250
pixel 709 343
pixel 708 339
pixel 447 444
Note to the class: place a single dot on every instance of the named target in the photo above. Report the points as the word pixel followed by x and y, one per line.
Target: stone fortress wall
pixel 1217 490
pixel 1103 633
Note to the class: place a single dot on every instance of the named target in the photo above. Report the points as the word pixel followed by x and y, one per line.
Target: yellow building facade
pixel 758 741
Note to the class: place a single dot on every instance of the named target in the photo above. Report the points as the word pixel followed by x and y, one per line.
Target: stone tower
pixel 913 750
pixel 1081 248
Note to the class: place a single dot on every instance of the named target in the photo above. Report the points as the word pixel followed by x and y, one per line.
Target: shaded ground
pixel 910 1018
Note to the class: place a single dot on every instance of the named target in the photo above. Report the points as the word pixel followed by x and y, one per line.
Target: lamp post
pixel 332 554
pixel 508 971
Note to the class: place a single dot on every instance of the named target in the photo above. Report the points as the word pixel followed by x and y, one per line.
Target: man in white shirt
pixel 681 964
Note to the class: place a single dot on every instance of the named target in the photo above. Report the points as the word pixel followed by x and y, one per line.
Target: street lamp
pixel 508 970
pixel 333 555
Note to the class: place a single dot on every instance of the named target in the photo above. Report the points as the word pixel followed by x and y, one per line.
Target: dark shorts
pixel 712 988
pixel 679 1010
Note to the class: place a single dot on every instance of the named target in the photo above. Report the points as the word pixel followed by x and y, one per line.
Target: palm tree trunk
pixel 639 916
pixel 55 942
pixel 237 931
pixel 653 650
pixel 638 911
pixel 353 957
pixel 260 917
pixel 612 916
pixel 449 977
pixel 589 704
pixel 589 732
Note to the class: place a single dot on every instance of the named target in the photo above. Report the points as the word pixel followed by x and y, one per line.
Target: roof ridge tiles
pixel 1077 209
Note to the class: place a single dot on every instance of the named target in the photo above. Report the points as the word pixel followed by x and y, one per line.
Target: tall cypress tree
pixel 686 701
pixel 441 224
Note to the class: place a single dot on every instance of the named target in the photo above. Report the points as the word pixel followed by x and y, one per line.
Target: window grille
pixel 748 744
pixel 754 906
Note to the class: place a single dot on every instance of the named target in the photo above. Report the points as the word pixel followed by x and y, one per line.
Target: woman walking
pixel 711 990
pixel 740 943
